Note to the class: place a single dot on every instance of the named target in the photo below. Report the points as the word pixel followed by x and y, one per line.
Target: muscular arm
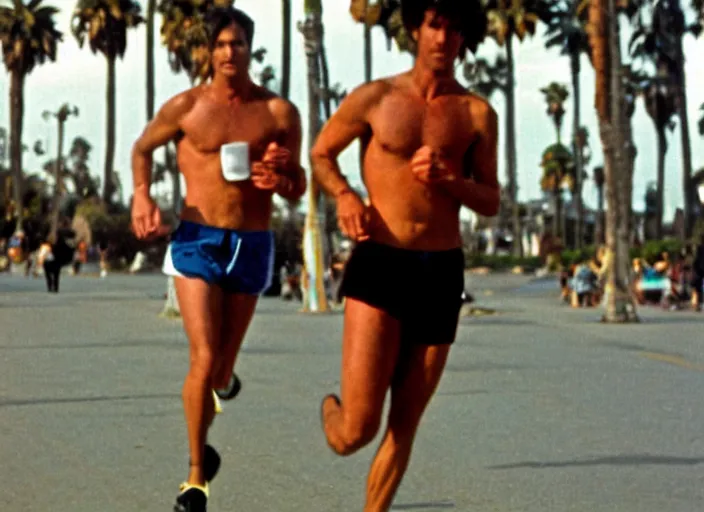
pixel 293 186
pixel 164 127
pixel 347 124
pixel 480 192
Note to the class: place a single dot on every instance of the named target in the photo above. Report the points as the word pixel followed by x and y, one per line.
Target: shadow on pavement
pixel 430 505
pixel 616 460
pixel 78 400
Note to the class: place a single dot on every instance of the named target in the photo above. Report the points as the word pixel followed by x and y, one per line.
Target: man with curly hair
pixel 428 148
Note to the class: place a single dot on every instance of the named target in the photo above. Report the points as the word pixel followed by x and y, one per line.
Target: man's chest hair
pixel 402 124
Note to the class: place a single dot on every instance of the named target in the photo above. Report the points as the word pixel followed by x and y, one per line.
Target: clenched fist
pixel 276 157
pixel 427 166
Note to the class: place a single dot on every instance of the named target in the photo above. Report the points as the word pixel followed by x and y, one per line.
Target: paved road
pixel 542 409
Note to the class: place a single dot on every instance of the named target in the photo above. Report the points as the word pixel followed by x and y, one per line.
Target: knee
pixel 357 433
pixel 202 362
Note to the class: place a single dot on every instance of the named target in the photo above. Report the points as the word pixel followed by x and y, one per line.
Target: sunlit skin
pixel 229 108
pixel 429 148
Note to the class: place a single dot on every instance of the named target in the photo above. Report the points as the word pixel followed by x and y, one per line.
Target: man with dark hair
pixel 237 145
pixel 428 148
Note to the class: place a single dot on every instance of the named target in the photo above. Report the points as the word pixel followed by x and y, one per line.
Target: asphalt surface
pixel 541 408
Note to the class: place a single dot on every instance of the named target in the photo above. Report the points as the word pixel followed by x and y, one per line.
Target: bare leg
pixel 201 309
pixel 238 310
pixel 369 351
pixel 414 384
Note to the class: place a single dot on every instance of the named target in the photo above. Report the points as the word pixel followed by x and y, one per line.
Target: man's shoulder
pixel 183 102
pixel 479 105
pixel 279 106
pixel 372 92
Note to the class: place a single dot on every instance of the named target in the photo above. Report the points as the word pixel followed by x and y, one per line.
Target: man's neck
pixel 233 90
pixel 430 83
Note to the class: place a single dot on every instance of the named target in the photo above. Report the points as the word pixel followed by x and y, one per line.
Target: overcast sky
pixel 78 77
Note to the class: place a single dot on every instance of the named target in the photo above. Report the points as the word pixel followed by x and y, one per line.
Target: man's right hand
pixel 146 217
pixel 352 216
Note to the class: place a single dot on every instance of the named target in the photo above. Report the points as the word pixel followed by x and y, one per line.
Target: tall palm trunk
pixel 689 193
pixel 615 134
pixel 367 52
pixel 576 123
pixel 325 81
pixel 108 187
pixel 16 118
pixel 511 145
pixel 557 218
pixel 315 299
pixel 660 194
pixel 58 186
pixel 151 7
pixel 286 48
pixel 599 228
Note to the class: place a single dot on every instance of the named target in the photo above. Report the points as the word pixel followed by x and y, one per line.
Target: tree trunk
pixel 618 157
pixel 58 173
pixel 286 49
pixel 16 118
pixel 511 146
pixel 367 53
pixel 315 298
pixel 659 198
pixel 557 218
pixel 325 86
pixel 108 187
pixel 151 6
pixel 576 123
pixel 367 48
pixel 599 228
pixel 172 166
pixel 689 193
pixel 171 306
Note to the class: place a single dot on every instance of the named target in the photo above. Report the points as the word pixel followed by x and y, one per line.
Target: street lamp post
pixel 61 116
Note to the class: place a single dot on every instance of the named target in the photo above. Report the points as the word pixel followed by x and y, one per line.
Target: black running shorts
pixel 422 289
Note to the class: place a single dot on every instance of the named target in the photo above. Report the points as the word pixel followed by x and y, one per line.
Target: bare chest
pixel 210 125
pixel 402 124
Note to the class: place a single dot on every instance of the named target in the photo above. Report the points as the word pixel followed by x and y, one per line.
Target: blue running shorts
pixel 237 261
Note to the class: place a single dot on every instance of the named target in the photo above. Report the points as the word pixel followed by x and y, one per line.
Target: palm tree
pixel 387 15
pixel 509 19
pixel 659 97
pixel 558 173
pixel 104 24
pixel 599 183
pixel 286 48
pixel 555 96
pixel 659 41
pixel 151 8
pixel 611 106
pixel 566 21
pixel 487 78
pixel 315 299
pixel 28 37
pixel 558 161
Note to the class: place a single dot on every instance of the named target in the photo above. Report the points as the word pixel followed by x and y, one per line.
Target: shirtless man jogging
pixel 222 250
pixel 429 147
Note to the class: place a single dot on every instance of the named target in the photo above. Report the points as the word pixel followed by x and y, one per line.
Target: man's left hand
pixel 430 168
pixel 264 177
pixel 277 157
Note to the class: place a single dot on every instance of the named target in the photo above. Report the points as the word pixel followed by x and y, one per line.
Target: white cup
pixel 234 159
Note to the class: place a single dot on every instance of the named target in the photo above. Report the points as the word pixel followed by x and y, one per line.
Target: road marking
pixel 675 360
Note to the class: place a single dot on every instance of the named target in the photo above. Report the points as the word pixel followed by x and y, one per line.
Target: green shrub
pixel 501 262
